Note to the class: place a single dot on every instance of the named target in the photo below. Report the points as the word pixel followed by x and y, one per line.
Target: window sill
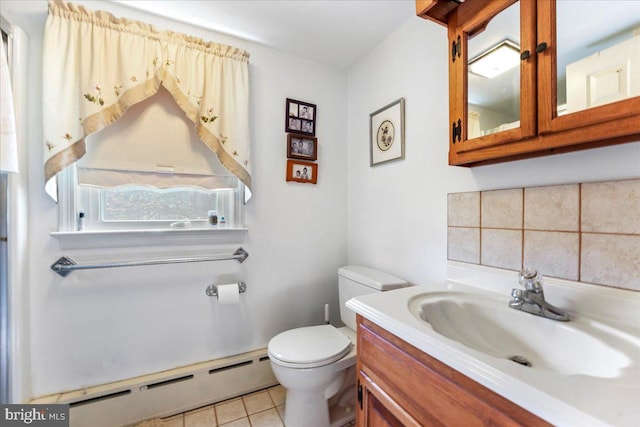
pixel 148 237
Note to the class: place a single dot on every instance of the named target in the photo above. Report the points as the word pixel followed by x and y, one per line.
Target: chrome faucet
pixel 531 299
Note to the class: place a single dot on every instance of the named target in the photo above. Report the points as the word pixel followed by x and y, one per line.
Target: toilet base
pixel 313 409
pixel 340 415
pixel 305 408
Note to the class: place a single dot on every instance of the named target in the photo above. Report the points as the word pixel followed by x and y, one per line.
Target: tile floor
pixel 263 408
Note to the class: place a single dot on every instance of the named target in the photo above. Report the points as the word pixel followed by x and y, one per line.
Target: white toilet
pixel 316 364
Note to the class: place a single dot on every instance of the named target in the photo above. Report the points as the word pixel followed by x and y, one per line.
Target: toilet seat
pixel 309 347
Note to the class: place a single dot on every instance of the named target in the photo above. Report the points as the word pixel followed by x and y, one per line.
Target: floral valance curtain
pixel 96 66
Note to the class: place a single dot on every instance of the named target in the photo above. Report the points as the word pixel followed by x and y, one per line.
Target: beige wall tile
pixel 612 260
pixel 554 254
pixel 554 220
pixel 554 208
pixel 203 417
pixel 463 244
pixel 501 248
pixel 463 209
pixel 501 208
pixel 611 207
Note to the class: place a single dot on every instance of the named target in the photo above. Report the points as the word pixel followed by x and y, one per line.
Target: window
pixel 142 207
pixel 149 170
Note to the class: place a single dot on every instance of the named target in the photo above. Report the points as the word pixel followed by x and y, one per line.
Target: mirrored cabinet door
pixel 495 93
pixel 590 71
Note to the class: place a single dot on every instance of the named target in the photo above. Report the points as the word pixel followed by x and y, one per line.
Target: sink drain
pixel 520 360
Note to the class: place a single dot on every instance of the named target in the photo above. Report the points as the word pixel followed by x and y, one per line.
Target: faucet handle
pixel 530 280
pixel 516 294
pixel 528 274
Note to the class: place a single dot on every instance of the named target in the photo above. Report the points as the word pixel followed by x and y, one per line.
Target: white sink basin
pixel 584 372
pixel 486 324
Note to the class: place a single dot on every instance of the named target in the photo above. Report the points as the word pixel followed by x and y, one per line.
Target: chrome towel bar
pixel 66 265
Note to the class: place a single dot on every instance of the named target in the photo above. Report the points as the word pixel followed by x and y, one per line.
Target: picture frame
pixel 302 147
pixel 387 133
pixel 301 171
pixel 300 117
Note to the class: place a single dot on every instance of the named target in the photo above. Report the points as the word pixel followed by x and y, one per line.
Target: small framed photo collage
pixel 302 145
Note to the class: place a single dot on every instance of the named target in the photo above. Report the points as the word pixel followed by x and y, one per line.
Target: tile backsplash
pixel 584 232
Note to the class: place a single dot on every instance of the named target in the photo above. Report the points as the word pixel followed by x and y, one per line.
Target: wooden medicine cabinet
pixel 530 78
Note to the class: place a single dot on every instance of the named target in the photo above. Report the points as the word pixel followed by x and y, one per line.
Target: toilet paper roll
pixel 228 294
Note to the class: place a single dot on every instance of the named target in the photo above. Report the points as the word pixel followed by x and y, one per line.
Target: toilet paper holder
pixel 212 290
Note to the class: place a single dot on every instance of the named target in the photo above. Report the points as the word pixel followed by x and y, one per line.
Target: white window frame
pixel 68 233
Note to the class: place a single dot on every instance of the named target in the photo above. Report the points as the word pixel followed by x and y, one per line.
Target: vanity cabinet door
pixel 378 408
pixel 492 91
pixel 399 385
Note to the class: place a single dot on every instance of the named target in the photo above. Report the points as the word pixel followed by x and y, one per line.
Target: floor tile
pixel 280 409
pixel 257 402
pixel 242 422
pixel 154 422
pixel 203 417
pixel 268 418
pixel 175 421
pixel 278 394
pixel 230 410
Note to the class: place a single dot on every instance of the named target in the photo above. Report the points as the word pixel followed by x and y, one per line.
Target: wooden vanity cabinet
pixel 542 130
pixel 399 385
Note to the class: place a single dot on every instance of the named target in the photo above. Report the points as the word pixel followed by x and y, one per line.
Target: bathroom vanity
pixel 403 386
pixel 455 353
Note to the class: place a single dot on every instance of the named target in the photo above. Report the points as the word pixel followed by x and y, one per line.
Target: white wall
pixel 397 211
pixel 98 326
pixel 103 325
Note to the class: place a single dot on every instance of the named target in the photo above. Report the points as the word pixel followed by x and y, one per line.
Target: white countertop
pixel 564 400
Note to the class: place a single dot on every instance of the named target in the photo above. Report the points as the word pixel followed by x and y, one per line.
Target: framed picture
pixel 300 117
pixel 302 147
pixel 387 133
pixel 301 171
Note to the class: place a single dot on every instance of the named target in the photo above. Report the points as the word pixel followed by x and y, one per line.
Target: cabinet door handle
pixel 541 47
pixel 525 55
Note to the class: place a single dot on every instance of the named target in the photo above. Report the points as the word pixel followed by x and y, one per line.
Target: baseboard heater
pixel 166 393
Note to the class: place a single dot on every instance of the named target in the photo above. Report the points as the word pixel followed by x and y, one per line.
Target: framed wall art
pixel 302 147
pixel 301 171
pixel 300 117
pixel 387 133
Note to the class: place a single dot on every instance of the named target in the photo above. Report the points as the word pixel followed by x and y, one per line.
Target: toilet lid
pixel 309 345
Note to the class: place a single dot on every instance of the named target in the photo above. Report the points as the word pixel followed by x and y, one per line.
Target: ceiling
pixel 337 33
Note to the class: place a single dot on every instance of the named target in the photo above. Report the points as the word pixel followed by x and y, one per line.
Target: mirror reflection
pixel 598 52
pixel 598 62
pixel 493 75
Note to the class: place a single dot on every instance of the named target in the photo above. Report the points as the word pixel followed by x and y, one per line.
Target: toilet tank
pixel 355 280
